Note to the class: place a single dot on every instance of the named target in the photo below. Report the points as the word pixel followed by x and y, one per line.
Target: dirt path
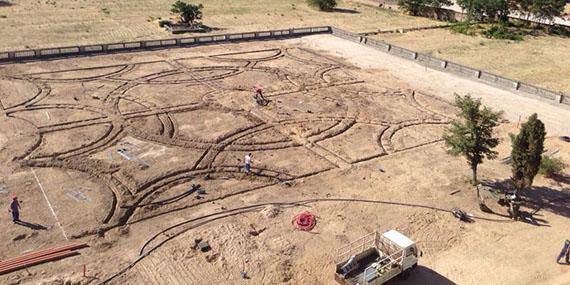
pixel 443 84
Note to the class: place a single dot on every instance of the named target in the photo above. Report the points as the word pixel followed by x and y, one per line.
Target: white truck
pixel 375 259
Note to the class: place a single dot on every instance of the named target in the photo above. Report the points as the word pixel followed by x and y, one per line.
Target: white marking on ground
pixel 49 204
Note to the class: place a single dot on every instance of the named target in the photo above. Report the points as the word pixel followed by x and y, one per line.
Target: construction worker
pixel 565 252
pixel 247 161
pixel 259 96
pixel 15 209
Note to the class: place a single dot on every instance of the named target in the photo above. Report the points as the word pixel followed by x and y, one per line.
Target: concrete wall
pixel 38 54
pixel 550 96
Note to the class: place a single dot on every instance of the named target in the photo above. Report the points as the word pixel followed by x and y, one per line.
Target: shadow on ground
pixel 561 178
pixel 424 276
pixel 534 200
pixel 5 3
pixel 31 225
pixel 547 199
pixel 344 11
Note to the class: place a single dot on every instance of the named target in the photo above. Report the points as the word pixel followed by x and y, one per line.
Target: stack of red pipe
pixel 39 257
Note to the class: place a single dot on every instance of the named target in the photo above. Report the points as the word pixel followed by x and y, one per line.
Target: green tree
pixel 547 10
pixel 482 10
pixel 412 7
pixel 472 135
pixel 188 13
pixel 526 153
pixel 419 7
pixel 323 5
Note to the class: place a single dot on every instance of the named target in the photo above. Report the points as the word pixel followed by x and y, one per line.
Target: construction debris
pixel 39 257
pixel 204 246
pixel 462 215
pixel 270 211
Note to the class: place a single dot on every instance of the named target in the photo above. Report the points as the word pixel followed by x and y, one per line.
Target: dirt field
pixel 116 141
pixel 536 60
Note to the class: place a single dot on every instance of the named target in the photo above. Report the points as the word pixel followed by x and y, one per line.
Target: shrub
pixel 465 28
pixel 323 5
pixel 551 166
pixel 501 32
pixel 188 13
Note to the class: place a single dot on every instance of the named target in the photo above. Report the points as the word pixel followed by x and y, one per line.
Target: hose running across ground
pixel 241 210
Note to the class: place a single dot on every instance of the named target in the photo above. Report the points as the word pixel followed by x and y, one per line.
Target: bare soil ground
pixel 116 142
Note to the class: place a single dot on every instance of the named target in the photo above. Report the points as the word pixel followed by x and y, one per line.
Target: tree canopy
pixel 526 153
pixel 472 135
pixel 323 5
pixel 188 13
pixel 498 10
pixel 419 7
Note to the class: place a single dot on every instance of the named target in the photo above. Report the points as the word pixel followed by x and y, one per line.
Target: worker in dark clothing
pixel 565 252
pixel 259 96
pixel 15 209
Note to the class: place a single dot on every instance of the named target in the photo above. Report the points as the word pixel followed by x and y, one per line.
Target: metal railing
pixel 368 241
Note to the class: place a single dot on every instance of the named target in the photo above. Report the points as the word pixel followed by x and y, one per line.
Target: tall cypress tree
pixel 526 154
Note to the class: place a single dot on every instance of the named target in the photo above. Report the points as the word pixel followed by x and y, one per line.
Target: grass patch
pixel 550 166
pixel 502 32
pixel 465 28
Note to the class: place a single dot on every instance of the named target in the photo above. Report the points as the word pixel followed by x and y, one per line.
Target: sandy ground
pixel 447 85
pixel 116 142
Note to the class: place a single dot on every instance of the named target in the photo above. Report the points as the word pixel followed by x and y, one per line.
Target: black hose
pixel 232 212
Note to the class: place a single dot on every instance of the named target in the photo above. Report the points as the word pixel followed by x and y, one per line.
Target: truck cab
pixel 410 260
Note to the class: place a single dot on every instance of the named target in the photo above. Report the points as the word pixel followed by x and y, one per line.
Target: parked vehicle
pixel 375 259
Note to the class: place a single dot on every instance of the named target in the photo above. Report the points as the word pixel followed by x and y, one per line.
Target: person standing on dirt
pixel 15 209
pixel 259 95
pixel 248 163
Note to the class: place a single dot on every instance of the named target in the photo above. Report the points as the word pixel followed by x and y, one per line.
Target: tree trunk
pixel 474 179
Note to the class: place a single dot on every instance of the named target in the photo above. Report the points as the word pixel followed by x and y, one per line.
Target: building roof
pixel 398 238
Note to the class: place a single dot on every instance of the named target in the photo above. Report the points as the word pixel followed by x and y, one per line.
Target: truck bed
pixel 357 276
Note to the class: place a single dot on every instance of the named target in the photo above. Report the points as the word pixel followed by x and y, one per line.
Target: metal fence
pixel 457 69
pixel 37 54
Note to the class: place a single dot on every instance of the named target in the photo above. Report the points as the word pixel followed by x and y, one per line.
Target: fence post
pixel 516 85
pixel 444 64
pixel 478 73
pixel 388 47
pixel 415 55
pixel 559 98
